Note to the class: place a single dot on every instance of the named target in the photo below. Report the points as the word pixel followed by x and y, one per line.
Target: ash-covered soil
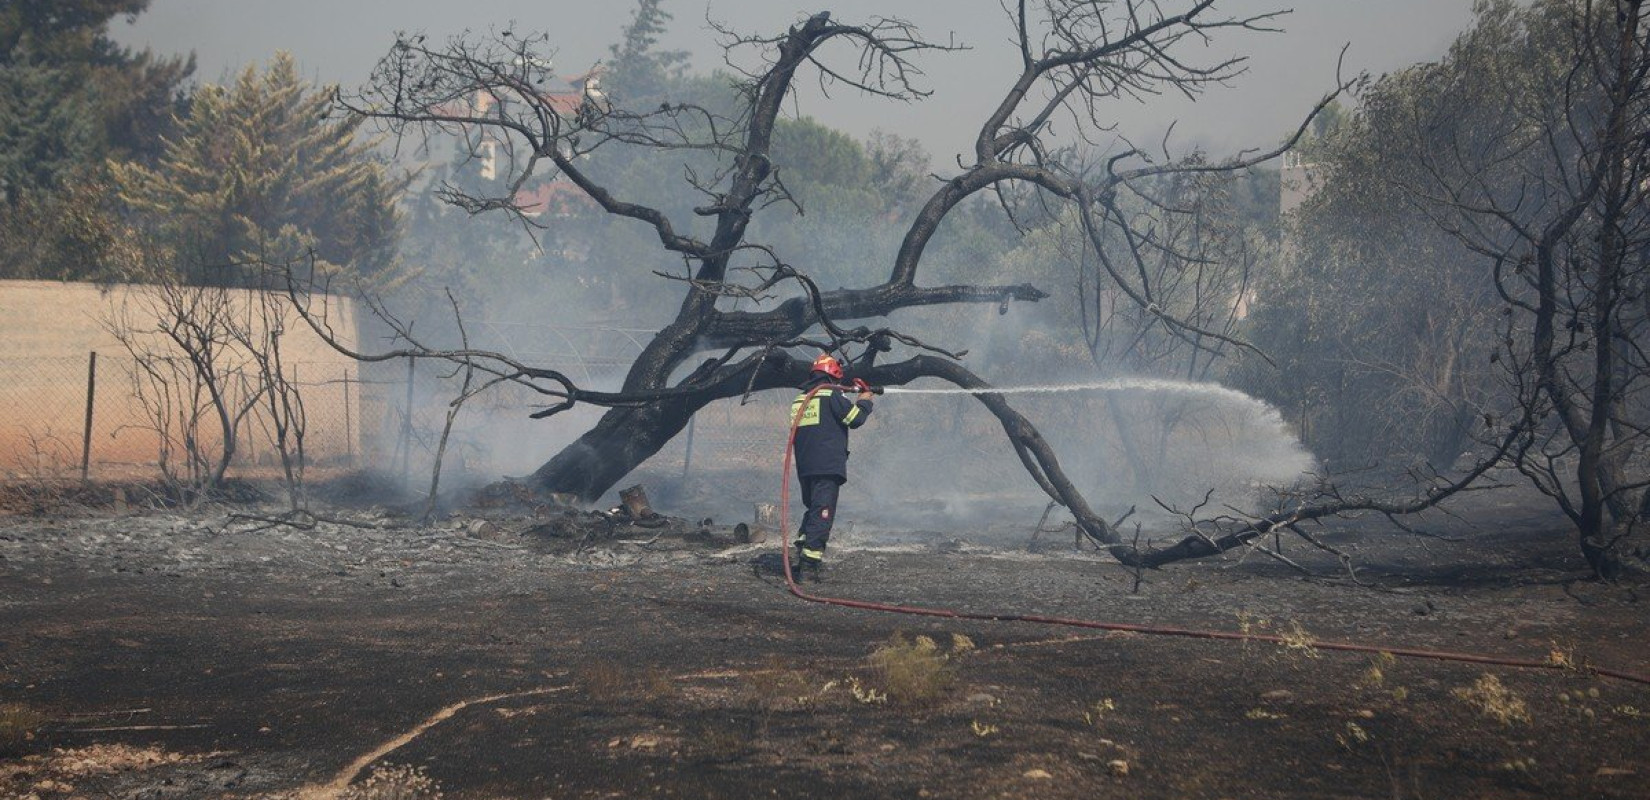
pixel 511 653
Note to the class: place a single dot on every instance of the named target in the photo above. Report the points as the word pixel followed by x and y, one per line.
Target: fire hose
pixel 1124 627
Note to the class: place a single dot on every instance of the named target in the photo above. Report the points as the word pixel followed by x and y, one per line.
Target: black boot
pixel 813 568
pixel 797 560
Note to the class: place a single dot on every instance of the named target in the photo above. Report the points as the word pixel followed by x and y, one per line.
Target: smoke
pixel 941 460
pixel 930 458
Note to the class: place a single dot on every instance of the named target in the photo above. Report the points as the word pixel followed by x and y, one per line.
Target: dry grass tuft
pixel 1492 699
pixel 1297 641
pixel 395 782
pixel 914 671
pixel 779 688
pixel 1563 657
pixel 606 680
pixel 1375 676
pixel 721 744
pixel 17 726
pixel 1097 711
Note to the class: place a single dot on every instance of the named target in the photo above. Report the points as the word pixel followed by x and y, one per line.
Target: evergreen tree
pixel 640 71
pixel 258 172
pixel 70 99
pixel 40 29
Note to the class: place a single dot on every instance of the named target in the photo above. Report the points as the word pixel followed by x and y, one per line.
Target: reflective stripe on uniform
pixel 811 416
pixel 853 414
pixel 812 555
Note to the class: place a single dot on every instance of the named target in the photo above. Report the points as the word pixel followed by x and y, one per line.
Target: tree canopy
pixel 1469 273
pixel 258 170
pixel 70 99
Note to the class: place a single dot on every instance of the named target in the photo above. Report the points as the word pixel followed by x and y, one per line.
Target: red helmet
pixel 828 365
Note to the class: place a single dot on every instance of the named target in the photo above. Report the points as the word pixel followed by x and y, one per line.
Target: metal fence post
pixel 406 426
pixel 86 438
pixel 349 429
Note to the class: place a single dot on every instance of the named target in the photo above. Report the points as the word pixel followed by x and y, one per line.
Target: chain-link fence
pixel 104 416
pixel 113 417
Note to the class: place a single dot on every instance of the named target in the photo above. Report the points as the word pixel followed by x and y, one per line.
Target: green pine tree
pixel 258 172
pixel 641 72
pixel 71 99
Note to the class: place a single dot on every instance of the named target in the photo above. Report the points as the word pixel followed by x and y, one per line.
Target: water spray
pixel 1213 390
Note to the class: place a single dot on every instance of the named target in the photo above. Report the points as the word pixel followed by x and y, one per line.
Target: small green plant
pixel 982 729
pixel 1585 703
pixel 914 671
pixel 1492 699
pixel 395 782
pixel 17 726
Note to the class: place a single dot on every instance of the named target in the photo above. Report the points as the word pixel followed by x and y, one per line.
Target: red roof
pixel 565 104
pixel 558 198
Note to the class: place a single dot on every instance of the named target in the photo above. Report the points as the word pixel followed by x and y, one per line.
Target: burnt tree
pixel 1075 57
pixel 1531 146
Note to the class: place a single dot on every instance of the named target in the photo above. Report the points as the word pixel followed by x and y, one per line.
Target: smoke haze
pixel 924 461
pixel 340 42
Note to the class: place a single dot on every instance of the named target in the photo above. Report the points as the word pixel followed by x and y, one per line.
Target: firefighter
pixel 822 456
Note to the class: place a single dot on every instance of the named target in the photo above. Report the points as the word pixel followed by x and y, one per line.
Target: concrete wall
pixel 48 331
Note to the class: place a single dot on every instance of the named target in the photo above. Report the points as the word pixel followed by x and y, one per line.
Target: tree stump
pixel 635 503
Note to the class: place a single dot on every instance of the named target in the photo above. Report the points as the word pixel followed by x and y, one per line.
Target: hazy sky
pixel 339 40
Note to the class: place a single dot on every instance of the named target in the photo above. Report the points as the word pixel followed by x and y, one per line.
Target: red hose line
pixel 1150 630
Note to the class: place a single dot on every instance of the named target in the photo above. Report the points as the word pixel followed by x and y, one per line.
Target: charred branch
pixel 1326 503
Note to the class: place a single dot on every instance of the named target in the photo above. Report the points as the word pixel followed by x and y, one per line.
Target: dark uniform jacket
pixel 822 435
